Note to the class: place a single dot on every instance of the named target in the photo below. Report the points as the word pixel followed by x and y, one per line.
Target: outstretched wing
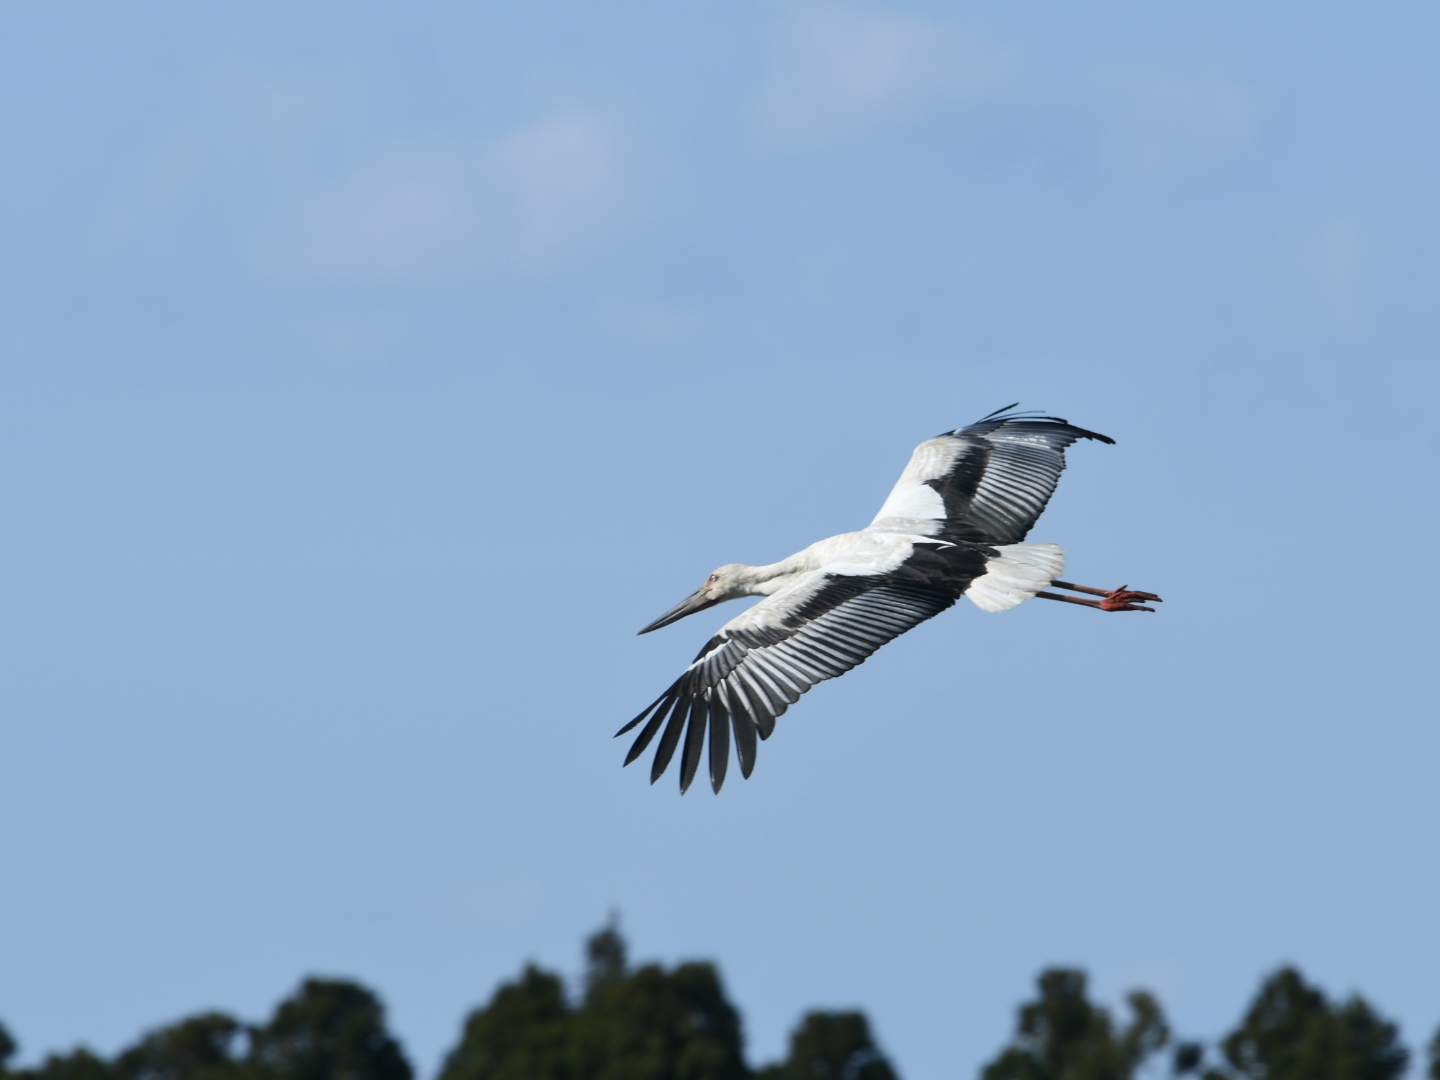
pixel 986 483
pixel 760 663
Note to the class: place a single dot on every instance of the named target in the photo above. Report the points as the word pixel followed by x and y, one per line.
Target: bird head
pixel 726 583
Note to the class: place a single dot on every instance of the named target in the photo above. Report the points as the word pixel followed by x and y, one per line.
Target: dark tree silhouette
pixel 605 959
pixel 648 1023
pixel 8 1046
pixel 329 1029
pixel 79 1064
pixel 204 1047
pixel 1293 1032
pixel 653 1024
pixel 1062 1036
pixel 658 1023
pixel 524 1033
pixel 832 1046
pixel 1189 1057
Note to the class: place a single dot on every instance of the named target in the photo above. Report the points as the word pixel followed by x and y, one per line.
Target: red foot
pixel 1122 599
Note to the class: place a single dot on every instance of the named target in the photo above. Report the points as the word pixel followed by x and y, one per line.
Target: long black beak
pixel 696 601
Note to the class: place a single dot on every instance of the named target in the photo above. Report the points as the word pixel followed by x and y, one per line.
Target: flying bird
pixel 951 527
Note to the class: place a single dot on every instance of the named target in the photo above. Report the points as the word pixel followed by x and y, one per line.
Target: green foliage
pixel 1293 1032
pixel 657 1023
pixel 642 1024
pixel 79 1064
pixel 330 1029
pixel 1062 1036
pixel 605 959
pixel 1188 1058
pixel 832 1046
pixel 327 1030
pixel 653 1024
pixel 525 1033
pixel 203 1047
pixel 8 1046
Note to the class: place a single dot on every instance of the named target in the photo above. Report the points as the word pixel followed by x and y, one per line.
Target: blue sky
pixel 369 373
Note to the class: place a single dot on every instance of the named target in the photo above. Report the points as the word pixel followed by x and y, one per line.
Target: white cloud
pixel 407 210
pixel 1162 125
pixel 650 324
pixel 563 178
pixel 838 70
pixel 523 202
pixel 308 188
pixel 1335 261
pixel 1314 282
pixel 161 183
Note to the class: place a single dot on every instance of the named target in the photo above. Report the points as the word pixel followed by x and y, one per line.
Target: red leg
pixel 1121 599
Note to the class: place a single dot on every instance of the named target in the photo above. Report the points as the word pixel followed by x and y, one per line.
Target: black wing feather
pixel 646 734
pixel 744 738
pixel 666 749
pixel 743 680
pixel 694 740
pixel 719 740
pixel 1004 478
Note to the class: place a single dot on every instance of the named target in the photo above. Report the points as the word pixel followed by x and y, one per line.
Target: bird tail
pixel 1016 574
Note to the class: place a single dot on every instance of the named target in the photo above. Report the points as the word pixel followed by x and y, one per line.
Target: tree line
pixel 654 1023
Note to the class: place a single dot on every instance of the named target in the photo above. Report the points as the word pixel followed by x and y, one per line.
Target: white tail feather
pixel 1020 572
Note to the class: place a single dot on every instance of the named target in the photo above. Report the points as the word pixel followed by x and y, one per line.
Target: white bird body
pixel 1014 575
pixel 855 553
pixel 789 583
pixel 951 526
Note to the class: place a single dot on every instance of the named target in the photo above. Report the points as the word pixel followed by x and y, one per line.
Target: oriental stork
pixel 951 527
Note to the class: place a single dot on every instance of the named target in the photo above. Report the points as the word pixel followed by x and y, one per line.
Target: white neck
pixel 764 580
